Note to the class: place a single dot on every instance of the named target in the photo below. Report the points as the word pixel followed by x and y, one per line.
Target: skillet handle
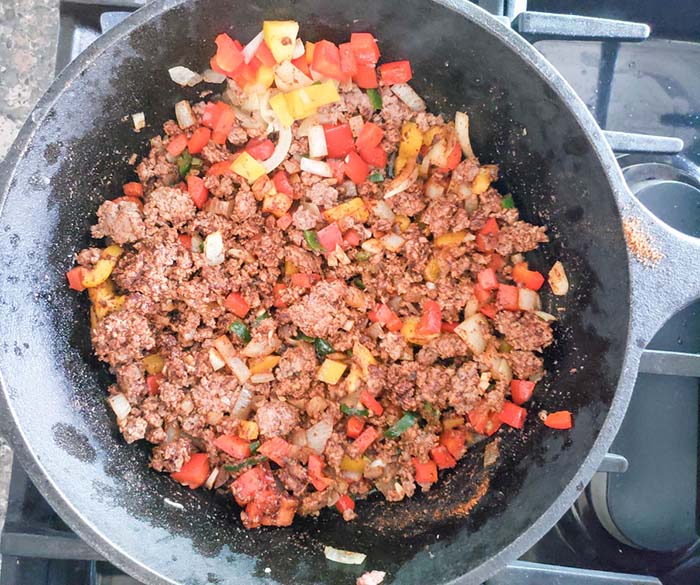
pixel 664 269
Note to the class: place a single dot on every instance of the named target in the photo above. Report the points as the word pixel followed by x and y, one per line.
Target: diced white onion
pixel 350 188
pixel 262 378
pixel 351 476
pixel 316 167
pixel 317 435
pixel 547 317
pixel 434 188
pixel 213 76
pixel 139 120
pixel 215 359
pixel 343 556
pixel 120 405
pixel 500 369
pixel 224 346
pixel 472 307
pixel 196 244
pixel 372 246
pixel 517 258
pixel 471 331
pixel 403 180
pixel 256 349
pixel 528 300
pixel 305 125
pixel 317 142
pixel 209 484
pixel 184 76
pixel 356 124
pixel 375 330
pixel 239 369
pixel 393 242
pixel 299 49
pixel 284 142
pixel 462 130
pixel 250 49
pixel 408 96
pixel 244 404
pixel 558 281
pixel 289 77
pixel 383 211
pixel 184 115
pixel 214 249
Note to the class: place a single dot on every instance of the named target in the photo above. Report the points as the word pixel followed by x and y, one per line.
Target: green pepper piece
pixel 302 337
pixel 250 462
pixel 507 202
pixel 357 282
pixel 322 347
pixel 362 256
pixel 353 411
pixel 196 162
pixel 376 177
pixel 241 329
pixel 375 99
pixel 312 240
pixel 184 163
pixel 504 346
pixel 254 447
pixel 401 426
pixel 260 318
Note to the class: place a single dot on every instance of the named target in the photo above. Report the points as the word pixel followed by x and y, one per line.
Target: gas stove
pixel 637 521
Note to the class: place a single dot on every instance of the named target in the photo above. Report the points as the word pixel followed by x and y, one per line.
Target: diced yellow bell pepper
pixel 431 272
pixel 399 164
pixel 409 332
pixel 247 167
pixel 330 371
pixel 353 379
pixel 103 267
pixel 403 221
pixel 281 36
pixel 277 204
pixel 309 51
pixel 355 465
pixel 299 104
pixel 264 79
pixel 263 365
pixel 482 181
pixel 322 94
pixel 364 358
pixel 248 430
pixel 153 364
pixel 105 299
pixel 278 103
pixel 290 268
pixel 451 239
pixel 411 141
pixel 354 208
pixel 430 135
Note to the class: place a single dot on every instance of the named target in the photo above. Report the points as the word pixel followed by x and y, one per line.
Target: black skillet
pixel 72 153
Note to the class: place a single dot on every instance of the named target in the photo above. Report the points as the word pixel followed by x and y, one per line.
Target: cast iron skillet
pixel 72 153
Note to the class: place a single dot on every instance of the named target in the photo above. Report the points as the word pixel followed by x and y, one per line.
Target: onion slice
pixel 462 130
pixel 184 115
pixel 184 76
pixel 317 435
pixel 214 249
pixel 251 48
pixel 316 167
pixel 139 120
pixel 408 96
pixel 213 76
pixel 471 331
pixel 317 142
pixel 120 405
pixel 403 180
pixel 284 143
pixel 346 557
pixel 558 281
pixel 299 49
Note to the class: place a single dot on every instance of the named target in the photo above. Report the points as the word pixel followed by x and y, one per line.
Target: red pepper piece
pixel 431 320
pixel 339 140
pixel 365 47
pixel 370 135
pixel 371 402
pixel 395 72
pixel 233 446
pixel 442 457
pixel 235 303
pixel 513 415
pixel 75 278
pixel 354 427
pixel 507 297
pixel 559 420
pixel 426 473
pixel 194 472
pixel 197 190
pixel 521 390
pixel 177 145
pixel 356 169
pixel 326 60
pixel 199 139
pixel 133 189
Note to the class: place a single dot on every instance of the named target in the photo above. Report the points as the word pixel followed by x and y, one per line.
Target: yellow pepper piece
pixel 322 94
pixel 263 365
pixel 277 204
pixel 411 141
pixel 431 272
pixel 364 357
pixel 482 181
pixel 290 268
pixel 278 103
pixel 330 371
pixel 248 429
pixel 403 221
pixel 430 135
pixel 409 332
pixel 399 164
pixel 105 299
pixel 299 104
pixel 353 379
pixel 309 46
pixel 451 239
pixel 103 267
pixel 247 167
pixel 263 79
pixel 281 36
pixel 153 364
pixel 354 208
pixel 356 465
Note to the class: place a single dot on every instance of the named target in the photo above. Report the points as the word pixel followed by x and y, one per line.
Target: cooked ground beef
pixel 264 342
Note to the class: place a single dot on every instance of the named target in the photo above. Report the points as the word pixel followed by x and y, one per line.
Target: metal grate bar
pixel 45 546
pixel 628 142
pixel 541 25
pixel 525 573
pixel 670 363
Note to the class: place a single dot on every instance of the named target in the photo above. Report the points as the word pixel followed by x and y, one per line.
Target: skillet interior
pixel 56 388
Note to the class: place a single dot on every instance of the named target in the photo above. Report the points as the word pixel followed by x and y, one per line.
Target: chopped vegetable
pixel 513 415
pixel 318 146
pixel 139 121
pixel 194 472
pixel 401 426
pixel 339 139
pixel 558 280
pixel 260 318
pixel 214 249
pixel 280 36
pixel 241 330
pixel 472 332
pixel 184 76
pixel 184 163
pixel 275 449
pixel 559 420
pixel 356 168
pixel 484 421
pixel 353 411
pixel 395 72
pixel 355 425
pixel 250 462
pixel 103 267
pixel 442 457
pixel 311 238
pixel 355 208
pixel 357 282
pixel 530 278
pixel 371 402
pixel 426 473
pixel 322 347
pixel 331 371
pixel 384 315
pixel 263 365
pixel 431 320
pixel 120 405
pixel 330 237
pixel 408 96
pixel 197 190
pixel 376 177
pixel 233 445
pixel 375 99
pixel 507 202
pixel 366 438
pixel 454 440
pixel 247 167
pixel 343 556
pixel 316 167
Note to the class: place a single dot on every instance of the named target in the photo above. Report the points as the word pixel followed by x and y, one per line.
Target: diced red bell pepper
pixel 326 60
pixel 375 156
pixel 366 76
pixel 285 221
pixel 487 279
pixel 442 457
pixel 185 240
pixel 513 415
pixel 530 278
pixel 177 145
pixel 233 445
pixel 489 310
pixel 302 65
pixel 153 383
pixel 211 114
pixel 366 438
pixel 481 294
pixel 426 473
pixel 199 139
pixel 507 297
pixel 133 189
pixel 345 502
pixel 497 261
pixel 352 238
pixel 521 390
pixel 330 236
pixel 453 159
pixel 260 148
pixel 454 441
pixel 215 66
pixel 356 169
pixel 194 472
pixel 251 483
pixel 229 56
pixel 431 319
pixel 371 402
pixel 448 327
pixel 235 303
pixel 365 47
pixel 395 72
pixel 338 168
pixel 370 135
pixel 224 124
pixel 485 422
pixel 384 315
pixel 285 513
pixel 282 184
pixel 304 280
pixel 348 64
pixel 485 239
pixel 265 55
pixel 275 449
pixel 276 292
pixel 559 420
pixel 319 481
pixel 221 168
pixel 247 73
pixel 339 140
pixel 197 190
pixel 354 427
pixel 75 278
